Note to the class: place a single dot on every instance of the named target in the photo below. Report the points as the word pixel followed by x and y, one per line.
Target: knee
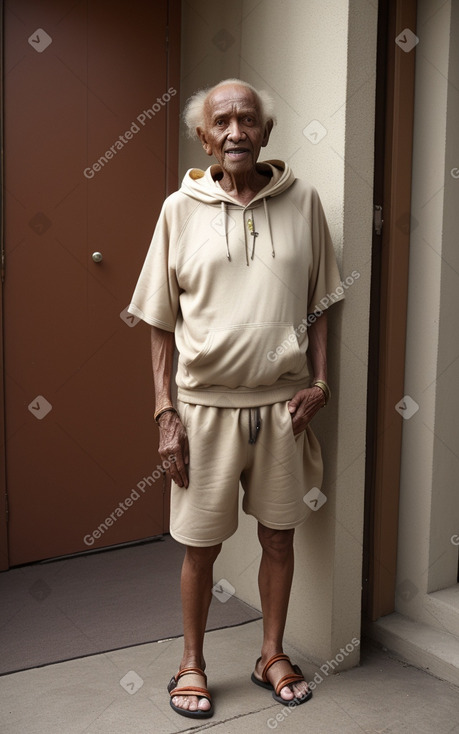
pixel 202 557
pixel 276 542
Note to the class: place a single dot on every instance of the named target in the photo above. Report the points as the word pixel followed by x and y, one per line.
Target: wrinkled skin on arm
pixel 305 404
pixel 173 440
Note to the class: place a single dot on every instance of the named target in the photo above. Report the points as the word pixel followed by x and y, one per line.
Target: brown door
pixel 90 126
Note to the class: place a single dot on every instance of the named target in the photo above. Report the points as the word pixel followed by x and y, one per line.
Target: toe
pixel 286 693
pixel 184 702
pixel 300 690
pixel 191 703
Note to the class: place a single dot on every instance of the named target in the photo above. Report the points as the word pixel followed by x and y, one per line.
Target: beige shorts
pixel 253 446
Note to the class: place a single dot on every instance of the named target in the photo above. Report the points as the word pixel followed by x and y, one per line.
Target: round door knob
pixel 97 257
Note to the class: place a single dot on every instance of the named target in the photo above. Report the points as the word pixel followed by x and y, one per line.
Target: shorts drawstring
pixel 253 434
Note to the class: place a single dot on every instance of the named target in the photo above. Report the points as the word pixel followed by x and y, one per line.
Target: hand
pixel 173 441
pixel 303 407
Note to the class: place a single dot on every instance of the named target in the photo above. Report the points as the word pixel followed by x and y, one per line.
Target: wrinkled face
pixel 234 131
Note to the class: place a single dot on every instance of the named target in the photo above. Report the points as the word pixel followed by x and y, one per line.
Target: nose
pixel 235 133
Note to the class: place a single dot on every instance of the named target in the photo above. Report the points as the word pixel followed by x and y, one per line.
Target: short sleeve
pixel 325 287
pixel 156 295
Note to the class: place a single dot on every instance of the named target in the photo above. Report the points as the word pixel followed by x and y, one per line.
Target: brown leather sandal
pixel 286 680
pixel 190 691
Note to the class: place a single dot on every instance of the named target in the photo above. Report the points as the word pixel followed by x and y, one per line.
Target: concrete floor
pixel 124 692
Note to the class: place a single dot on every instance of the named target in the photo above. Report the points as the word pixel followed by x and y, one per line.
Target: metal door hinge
pixel 378 221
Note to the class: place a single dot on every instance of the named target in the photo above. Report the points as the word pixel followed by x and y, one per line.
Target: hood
pixel 204 186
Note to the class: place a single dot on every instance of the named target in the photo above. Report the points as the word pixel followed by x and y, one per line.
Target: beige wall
pixel 318 61
pixel 429 506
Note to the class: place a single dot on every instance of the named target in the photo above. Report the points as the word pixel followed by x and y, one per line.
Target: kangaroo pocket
pixel 248 355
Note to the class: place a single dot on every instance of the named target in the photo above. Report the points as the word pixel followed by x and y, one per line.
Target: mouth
pixel 236 154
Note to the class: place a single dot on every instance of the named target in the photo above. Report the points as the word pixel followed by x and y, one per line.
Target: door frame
pixel 173 107
pixel 170 185
pixel 3 493
pixel 389 301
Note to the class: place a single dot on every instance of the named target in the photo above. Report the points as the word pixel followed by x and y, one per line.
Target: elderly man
pixel 239 265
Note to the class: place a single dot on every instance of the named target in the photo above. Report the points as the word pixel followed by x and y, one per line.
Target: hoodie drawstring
pixel 251 228
pixel 224 215
pixel 265 202
pixel 253 232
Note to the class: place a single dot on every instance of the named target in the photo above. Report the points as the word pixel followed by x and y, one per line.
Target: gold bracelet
pixel 162 410
pixel 325 389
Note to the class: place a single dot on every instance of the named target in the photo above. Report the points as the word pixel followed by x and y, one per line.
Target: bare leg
pixel 275 581
pixel 196 587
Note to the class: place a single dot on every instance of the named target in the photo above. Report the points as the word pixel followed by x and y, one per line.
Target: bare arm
pixel 305 404
pixel 173 440
pixel 318 347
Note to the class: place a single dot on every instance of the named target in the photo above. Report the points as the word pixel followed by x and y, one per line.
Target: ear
pixel 202 137
pixel 267 132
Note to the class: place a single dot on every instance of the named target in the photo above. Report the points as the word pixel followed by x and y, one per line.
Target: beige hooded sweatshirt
pixel 239 286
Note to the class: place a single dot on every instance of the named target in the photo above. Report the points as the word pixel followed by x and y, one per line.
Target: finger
pixel 309 414
pixel 295 423
pixel 301 420
pixel 179 471
pixel 176 476
pixel 174 471
pixel 298 426
pixel 297 400
pixel 186 451
pixel 183 460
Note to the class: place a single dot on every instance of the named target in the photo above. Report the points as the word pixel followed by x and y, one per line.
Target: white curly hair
pixel 194 111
